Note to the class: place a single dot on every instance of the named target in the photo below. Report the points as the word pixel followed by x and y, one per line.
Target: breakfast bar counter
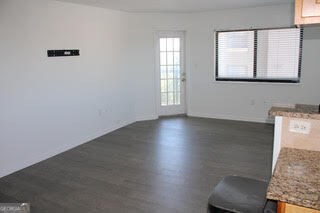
pixel 303 111
pixel 295 183
pixel 296 179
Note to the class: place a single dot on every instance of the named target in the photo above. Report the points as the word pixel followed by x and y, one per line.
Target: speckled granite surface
pixel 296 111
pixel 296 179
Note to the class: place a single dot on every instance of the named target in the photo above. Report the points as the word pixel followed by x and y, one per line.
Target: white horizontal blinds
pixel 259 55
pixel 235 54
pixel 278 54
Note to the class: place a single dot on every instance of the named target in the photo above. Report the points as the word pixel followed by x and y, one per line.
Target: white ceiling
pixel 176 5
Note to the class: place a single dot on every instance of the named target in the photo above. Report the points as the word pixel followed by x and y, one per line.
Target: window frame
pixel 255 40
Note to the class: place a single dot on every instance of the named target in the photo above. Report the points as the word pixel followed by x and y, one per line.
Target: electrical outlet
pixel 300 127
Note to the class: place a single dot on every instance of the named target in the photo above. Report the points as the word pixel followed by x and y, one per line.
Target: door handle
pixel 183 75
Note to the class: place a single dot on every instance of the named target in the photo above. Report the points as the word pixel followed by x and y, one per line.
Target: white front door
pixel 171 74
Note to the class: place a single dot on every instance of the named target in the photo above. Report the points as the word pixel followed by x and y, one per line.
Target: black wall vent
pixel 59 53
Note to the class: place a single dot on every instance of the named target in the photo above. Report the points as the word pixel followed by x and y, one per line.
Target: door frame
pixel 157 34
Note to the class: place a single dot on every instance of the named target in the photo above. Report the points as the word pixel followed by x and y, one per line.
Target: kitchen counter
pixel 296 179
pixel 303 111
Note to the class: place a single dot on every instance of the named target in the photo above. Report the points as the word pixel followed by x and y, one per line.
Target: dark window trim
pixel 259 80
pixel 217 54
pixel 255 53
pixel 300 53
pixel 253 29
pixel 255 79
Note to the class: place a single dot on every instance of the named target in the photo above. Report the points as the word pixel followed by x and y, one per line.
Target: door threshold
pixel 177 115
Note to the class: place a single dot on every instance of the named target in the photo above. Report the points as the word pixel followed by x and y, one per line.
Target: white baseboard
pixel 147 117
pixel 231 117
pixel 204 115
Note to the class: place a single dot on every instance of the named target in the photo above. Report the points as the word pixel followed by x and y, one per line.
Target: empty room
pixel 159 106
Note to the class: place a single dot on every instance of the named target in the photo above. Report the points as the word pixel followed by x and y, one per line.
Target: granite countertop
pixel 296 178
pixel 296 111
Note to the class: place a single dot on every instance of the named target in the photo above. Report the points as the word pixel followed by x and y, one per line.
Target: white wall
pixel 240 101
pixel 49 105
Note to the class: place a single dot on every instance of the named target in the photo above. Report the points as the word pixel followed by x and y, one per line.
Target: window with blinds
pixel 266 55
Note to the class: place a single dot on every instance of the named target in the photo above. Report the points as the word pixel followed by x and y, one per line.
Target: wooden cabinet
pixel 307 12
pixel 289 208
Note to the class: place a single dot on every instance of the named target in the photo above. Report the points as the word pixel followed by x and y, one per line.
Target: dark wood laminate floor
pixel 166 165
